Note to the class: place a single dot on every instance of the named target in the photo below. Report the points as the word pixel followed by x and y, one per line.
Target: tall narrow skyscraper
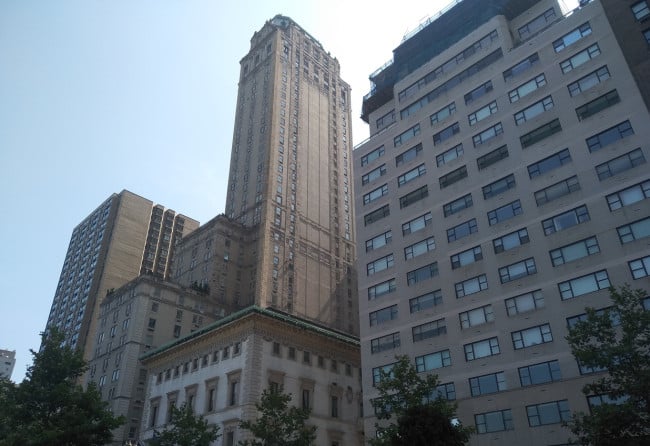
pixel 290 176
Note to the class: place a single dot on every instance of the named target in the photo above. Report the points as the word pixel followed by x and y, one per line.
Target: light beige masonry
pixel 513 158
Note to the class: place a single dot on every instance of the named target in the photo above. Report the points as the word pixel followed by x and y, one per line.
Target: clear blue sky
pixel 97 96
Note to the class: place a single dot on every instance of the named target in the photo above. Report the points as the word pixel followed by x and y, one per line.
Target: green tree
pixel 616 339
pixel 278 424
pixel 418 414
pixel 186 429
pixel 49 407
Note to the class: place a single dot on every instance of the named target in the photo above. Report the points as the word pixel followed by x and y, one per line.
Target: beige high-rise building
pixel 291 177
pixel 125 236
pixel 504 188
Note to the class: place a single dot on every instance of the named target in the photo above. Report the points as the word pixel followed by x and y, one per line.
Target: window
pixel 524 303
pixel 641 10
pixel 478 92
pixel 458 205
pixel 597 105
pixel 443 113
pixel 419 248
pixel 408 155
pixel 384 343
pixel 529 337
pixel 520 67
pixel 628 196
pixel 386 120
pixel 487 134
pixel 505 212
pixel 574 251
pixel 376 215
pixel 517 270
pixel 445 134
pixel 634 231
pixel 557 190
pixel 433 361
pixel 527 88
pixel 416 224
pixel 407 135
pixel 384 315
pixel 613 315
pixel 335 406
pixel 584 284
pixel 382 371
pixel 597 400
pixel 466 257
pixel 380 264
pixel 411 175
pixel 486 384
pixel 572 37
pixel 565 220
pixel 481 349
pixel 609 136
pixel 620 164
pixel 580 58
pixel 499 420
pixel 549 163
pixel 590 80
pixel 492 157
pixel 152 324
pixel 543 372
pixel 453 177
pixel 510 241
pixel 423 273
pixel 534 110
pixel 540 133
pixel 371 156
pixel 640 267
pixel 429 330
pixel 548 413
pixel 373 175
pixel 306 398
pixel 449 155
pixel 477 316
pixel 446 391
pixel 499 186
pixel 382 288
pixel 537 24
pixel 425 301
pixel 412 197
pixel 482 113
pixel 462 230
pixel 379 241
pixel 646 34
pixel 471 286
pixel 375 194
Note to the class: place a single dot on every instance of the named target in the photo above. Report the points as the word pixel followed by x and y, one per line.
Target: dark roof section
pixel 454 24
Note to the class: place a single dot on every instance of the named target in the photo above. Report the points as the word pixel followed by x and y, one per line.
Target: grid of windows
pixel 521 67
pixel 376 215
pixel 411 175
pixel 433 361
pixel 425 301
pixel 449 155
pixel 413 197
pixel 446 133
pixel 584 284
pixel 419 248
pixel 640 267
pixel 574 251
pixel 497 421
pixel 510 241
pixel 416 224
pixel 477 316
pixel 543 372
pixel 457 205
pixel 540 133
pixel 517 270
pixel 620 164
pixel 471 286
pixel 371 156
pixel 549 163
pixel 527 88
pixel 380 264
pixel 572 37
pixel 565 220
pixel 529 337
pixel 589 81
pixel 379 241
pixel 505 212
pixel 628 196
pixel 443 113
pixel 609 136
pixel 486 384
pixel 406 135
pixel 548 413
pixel 492 157
pixel 537 24
pixel 597 105
pixel 634 231
pixel 466 257
pixel 453 177
pixel 373 175
pixel 375 194
pixel 421 274
pixel 383 315
pixel 557 190
pixel 383 343
pixel 429 330
pixel 408 155
pixel 380 289
pixel 524 303
pixel 499 186
pixel 486 135
pixel 534 110
pixel 481 349
pixel 462 230
pixel 482 113
pixel 580 58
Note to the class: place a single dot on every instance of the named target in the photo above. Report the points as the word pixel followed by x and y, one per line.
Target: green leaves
pixel 186 429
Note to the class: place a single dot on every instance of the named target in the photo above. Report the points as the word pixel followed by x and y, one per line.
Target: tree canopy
pixel 615 339
pixel 186 429
pixel 50 407
pixel 279 424
pixel 418 414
